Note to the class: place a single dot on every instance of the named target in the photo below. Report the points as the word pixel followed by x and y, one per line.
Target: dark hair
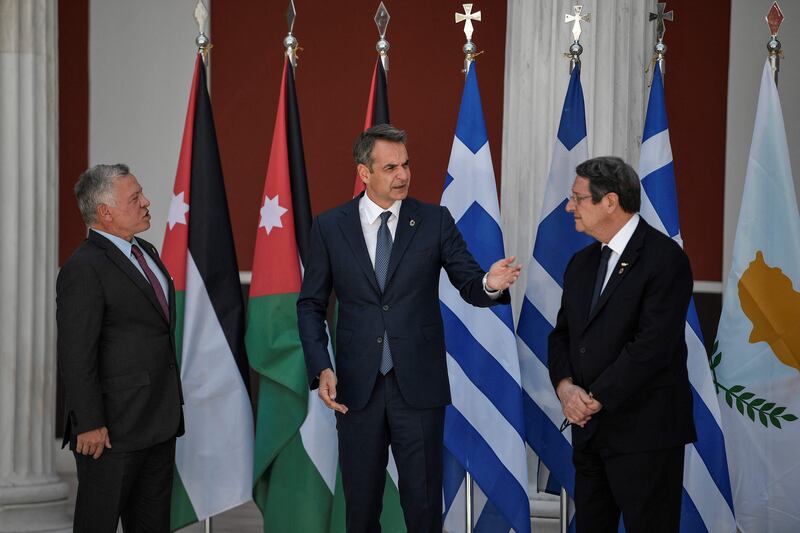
pixel 611 174
pixel 362 149
pixel 94 188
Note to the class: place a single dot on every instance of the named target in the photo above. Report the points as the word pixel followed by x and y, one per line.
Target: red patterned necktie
pixel 151 277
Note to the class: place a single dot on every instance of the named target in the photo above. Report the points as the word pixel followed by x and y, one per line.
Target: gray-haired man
pixel 116 358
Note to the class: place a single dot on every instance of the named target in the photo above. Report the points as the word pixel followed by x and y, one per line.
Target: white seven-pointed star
pixel 177 211
pixel 271 214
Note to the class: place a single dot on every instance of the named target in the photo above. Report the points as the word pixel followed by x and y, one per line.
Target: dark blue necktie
pixel 601 276
pixel 383 250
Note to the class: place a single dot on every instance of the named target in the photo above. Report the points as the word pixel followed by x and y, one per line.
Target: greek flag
pixel 707 501
pixel 484 426
pixel 556 242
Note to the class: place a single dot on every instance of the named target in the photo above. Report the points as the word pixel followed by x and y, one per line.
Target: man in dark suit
pixel 617 357
pixel 382 254
pixel 116 358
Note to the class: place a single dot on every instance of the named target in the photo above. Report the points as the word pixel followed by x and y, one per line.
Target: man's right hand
pixel 327 390
pixel 576 403
pixel 93 442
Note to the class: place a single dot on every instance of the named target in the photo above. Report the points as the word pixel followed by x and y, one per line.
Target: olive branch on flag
pixel 768 412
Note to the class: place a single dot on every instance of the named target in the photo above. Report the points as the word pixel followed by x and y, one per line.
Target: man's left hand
pixel 503 274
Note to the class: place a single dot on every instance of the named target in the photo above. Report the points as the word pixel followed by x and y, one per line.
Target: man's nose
pixel 570 207
pixel 145 201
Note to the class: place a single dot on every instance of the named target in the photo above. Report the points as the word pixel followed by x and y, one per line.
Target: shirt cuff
pixel 491 293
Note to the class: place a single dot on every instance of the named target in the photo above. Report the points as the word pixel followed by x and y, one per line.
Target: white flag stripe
pixel 704 493
pixel 215 456
pixel 562 174
pixel 469 183
pixel 490 423
pixel 320 440
pixel 699 375
pixel 656 152
pixel 536 382
pixel 484 327
pixel 648 212
pixel 543 291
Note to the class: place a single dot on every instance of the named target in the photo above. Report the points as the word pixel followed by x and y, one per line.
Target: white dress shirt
pixel 370 214
pixel 618 244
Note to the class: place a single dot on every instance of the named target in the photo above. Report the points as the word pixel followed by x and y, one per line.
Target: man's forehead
pixel 580 183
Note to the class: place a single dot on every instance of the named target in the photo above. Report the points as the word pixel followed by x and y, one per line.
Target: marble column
pixel 32 498
pixel 618 45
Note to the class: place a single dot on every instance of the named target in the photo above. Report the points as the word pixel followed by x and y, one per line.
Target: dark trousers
pixel 416 436
pixel 133 486
pixel 646 487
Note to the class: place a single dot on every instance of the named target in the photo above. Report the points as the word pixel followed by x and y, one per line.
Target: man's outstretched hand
pixel 503 274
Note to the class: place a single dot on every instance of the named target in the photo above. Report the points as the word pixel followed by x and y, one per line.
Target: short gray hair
pixel 362 149
pixel 94 188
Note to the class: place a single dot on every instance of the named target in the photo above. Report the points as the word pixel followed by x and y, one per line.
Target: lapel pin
pixel 622 268
pixel 412 222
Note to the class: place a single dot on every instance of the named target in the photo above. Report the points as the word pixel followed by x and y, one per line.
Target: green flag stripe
pixel 181 510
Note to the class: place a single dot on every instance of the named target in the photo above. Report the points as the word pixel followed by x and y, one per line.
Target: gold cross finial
pixel 468 16
pixel 576 21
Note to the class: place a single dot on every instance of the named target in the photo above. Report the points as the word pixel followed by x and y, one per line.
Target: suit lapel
pixel 407 224
pixel 626 261
pixel 125 264
pixel 153 253
pixel 350 224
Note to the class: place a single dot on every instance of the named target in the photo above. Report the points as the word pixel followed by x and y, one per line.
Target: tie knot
pixel 605 253
pixel 136 251
pixel 385 217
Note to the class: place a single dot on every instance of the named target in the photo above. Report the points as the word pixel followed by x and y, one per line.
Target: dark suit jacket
pixel 426 240
pixel 116 354
pixel 630 353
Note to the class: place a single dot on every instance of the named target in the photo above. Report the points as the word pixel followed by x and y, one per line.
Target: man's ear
pixel 363 172
pixel 613 201
pixel 103 212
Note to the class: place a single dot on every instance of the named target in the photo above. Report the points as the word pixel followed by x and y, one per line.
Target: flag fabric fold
pixel 555 243
pixel 214 458
pixel 484 426
pixel 377 109
pixel 756 362
pixel 295 485
pixel 707 504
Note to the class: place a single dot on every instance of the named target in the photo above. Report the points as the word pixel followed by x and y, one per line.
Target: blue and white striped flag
pixel 707 501
pixel 556 242
pixel 484 426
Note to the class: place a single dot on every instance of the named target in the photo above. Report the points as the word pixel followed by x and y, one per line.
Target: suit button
pixel 582 349
pixel 380 340
pixel 385 307
pixel 171 365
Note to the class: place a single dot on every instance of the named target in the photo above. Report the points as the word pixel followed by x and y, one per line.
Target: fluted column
pixel 32 498
pixel 618 45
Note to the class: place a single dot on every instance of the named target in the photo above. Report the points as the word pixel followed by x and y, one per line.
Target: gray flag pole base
pixel 208 527
pixel 564 518
pixel 469 498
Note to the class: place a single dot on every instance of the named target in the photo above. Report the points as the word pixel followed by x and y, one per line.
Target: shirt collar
pixel 371 211
pixel 123 245
pixel 620 240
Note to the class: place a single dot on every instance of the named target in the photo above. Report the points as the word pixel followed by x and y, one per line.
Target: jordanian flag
pixel 377 109
pixel 295 465
pixel 214 458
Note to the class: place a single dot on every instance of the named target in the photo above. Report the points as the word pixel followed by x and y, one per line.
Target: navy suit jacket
pixel 426 240
pixel 116 350
pixel 630 351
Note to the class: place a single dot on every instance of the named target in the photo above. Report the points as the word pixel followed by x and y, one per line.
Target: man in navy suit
pixel 617 358
pixel 382 253
pixel 116 358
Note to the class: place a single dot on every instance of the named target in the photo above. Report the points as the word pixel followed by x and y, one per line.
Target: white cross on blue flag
pixel 707 502
pixel 484 426
pixel 556 242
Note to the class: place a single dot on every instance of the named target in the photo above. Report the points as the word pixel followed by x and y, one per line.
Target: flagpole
pixel 660 16
pixel 382 46
pixel 203 45
pixel 470 51
pixel 774 19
